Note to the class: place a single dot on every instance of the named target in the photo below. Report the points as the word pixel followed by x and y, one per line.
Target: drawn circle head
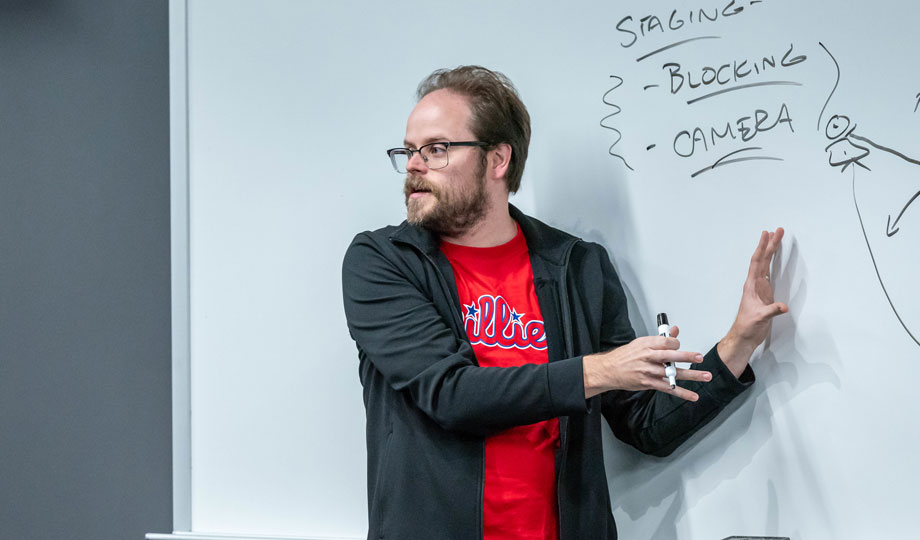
pixel 837 126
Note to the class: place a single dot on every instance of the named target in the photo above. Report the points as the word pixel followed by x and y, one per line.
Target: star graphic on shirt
pixel 516 317
pixel 471 311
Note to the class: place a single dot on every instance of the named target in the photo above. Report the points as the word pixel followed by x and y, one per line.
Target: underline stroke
pixel 742 87
pixel 666 47
pixel 721 162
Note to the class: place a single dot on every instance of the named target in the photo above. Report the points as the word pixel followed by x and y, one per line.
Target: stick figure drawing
pixel 882 198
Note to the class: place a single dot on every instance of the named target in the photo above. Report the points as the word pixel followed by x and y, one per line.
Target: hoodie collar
pixel 547 242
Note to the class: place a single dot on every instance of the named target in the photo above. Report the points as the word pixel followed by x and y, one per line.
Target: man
pixel 491 344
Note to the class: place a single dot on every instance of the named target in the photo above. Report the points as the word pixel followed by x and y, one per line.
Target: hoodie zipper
pixel 482 445
pixel 569 353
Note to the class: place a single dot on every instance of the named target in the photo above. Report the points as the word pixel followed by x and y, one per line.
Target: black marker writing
pixel 722 161
pixel 687 142
pixel 845 150
pixel 891 232
pixel 836 82
pixel 633 30
pixel 619 83
pixel 741 87
pixel 885 149
pixel 671 46
pixel 728 72
pixel 875 264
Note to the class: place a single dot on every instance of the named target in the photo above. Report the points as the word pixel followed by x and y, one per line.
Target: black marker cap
pixel 662 319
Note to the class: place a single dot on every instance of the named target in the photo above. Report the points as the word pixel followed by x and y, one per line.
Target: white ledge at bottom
pixel 223 536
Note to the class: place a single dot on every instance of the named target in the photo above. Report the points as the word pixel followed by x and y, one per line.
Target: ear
pixel 499 160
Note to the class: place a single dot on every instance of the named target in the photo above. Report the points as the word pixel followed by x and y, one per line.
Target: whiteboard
pixel 670 138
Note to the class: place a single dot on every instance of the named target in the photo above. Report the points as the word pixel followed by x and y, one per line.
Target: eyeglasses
pixel 434 154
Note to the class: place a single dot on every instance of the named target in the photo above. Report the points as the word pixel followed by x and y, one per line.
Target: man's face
pixel 452 199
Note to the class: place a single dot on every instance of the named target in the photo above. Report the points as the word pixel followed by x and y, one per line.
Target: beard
pixel 457 206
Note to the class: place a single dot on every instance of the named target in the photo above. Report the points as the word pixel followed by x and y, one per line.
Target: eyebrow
pixel 429 140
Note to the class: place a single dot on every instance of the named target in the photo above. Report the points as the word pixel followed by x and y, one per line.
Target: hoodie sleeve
pixel 655 422
pixel 402 333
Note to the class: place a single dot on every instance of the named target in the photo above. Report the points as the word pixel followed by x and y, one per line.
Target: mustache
pixel 417 183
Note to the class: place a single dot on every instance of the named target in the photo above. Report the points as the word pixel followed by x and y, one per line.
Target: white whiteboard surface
pixel 291 104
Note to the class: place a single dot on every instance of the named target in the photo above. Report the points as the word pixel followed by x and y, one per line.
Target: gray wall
pixel 84 270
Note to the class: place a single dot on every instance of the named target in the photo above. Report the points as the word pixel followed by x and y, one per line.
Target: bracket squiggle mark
pixel 834 89
pixel 611 115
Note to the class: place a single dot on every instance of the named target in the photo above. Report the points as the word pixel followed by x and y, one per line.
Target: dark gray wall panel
pixel 84 270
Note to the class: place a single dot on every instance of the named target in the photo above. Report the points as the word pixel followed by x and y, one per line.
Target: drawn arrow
pixel 891 232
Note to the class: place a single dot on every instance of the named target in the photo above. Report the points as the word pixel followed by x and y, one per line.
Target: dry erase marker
pixel 664 330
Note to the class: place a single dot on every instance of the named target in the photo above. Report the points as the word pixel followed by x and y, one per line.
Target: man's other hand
pixel 757 307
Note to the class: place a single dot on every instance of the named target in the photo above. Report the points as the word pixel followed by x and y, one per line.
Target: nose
pixel 416 164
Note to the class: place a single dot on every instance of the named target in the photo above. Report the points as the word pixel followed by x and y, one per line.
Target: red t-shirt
pixel 503 322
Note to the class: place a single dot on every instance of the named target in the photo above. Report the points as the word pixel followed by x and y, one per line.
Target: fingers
pixel 759 262
pixel 683 375
pixel 762 244
pixel 662 349
pixel 660 342
pixel 774 239
pixel 778 235
pixel 697 375
pixel 661 356
pixel 677 391
pixel 773 242
pixel 683 393
pixel 674 331
pixel 642 365
pixel 766 248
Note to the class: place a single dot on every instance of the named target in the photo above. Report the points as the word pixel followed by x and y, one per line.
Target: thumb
pixel 774 309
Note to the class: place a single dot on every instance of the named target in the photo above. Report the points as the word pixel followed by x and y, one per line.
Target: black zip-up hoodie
pixel 430 406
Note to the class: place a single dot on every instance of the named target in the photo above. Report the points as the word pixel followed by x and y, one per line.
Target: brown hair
pixel 499 115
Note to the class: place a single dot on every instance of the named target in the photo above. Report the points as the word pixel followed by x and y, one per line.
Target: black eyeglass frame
pixel 393 152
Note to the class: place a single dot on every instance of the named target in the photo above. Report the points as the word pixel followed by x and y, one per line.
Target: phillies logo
pixel 494 323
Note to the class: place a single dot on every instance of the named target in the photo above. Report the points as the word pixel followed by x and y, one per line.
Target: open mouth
pixel 416 187
pixel 418 192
